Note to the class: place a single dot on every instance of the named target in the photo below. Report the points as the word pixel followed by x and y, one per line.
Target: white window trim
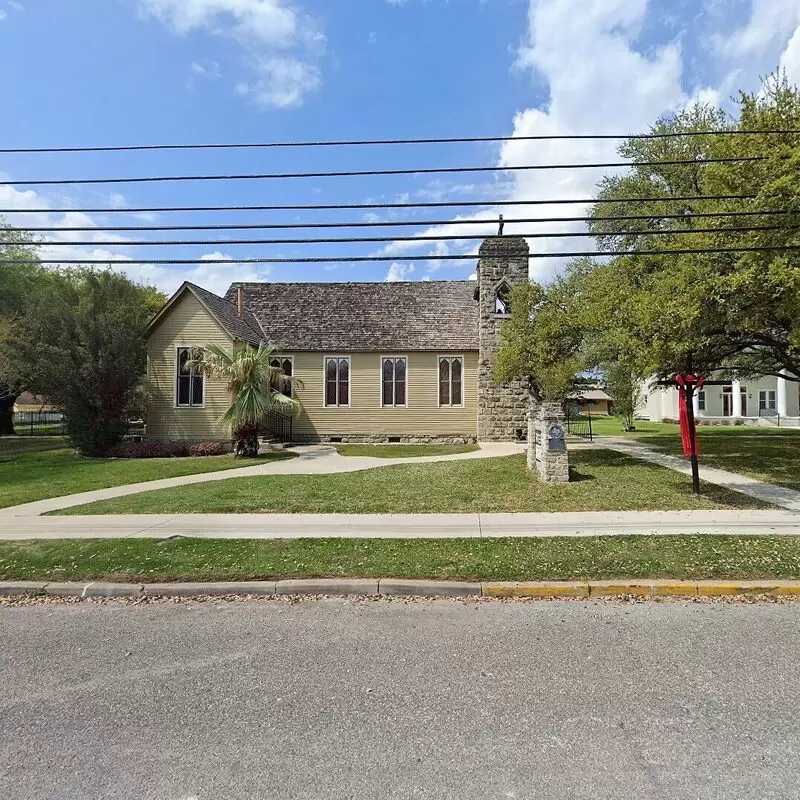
pixel 463 381
pixel 287 358
pixel 764 396
pixel 325 403
pixel 178 348
pixel 702 399
pixel 380 391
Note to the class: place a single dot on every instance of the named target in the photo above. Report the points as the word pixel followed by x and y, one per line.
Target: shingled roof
pixel 227 313
pixel 364 317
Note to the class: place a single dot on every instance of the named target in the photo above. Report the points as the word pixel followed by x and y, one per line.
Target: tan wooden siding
pixel 187 324
pixel 421 417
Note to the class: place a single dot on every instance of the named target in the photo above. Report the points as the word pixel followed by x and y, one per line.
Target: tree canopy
pixel 21 276
pixel 720 308
pixel 80 342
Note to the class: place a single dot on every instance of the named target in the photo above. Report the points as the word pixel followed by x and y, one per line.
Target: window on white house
pixel 189 379
pixel 502 305
pixel 766 400
pixel 279 383
pixel 337 381
pixel 701 400
pixel 451 381
pixel 393 381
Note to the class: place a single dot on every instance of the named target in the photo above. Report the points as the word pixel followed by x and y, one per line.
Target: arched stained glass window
pixel 393 382
pixel 451 381
pixel 337 381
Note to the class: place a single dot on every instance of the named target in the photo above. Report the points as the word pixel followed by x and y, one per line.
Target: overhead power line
pixel 401 224
pixel 361 259
pixel 367 206
pixel 376 172
pixel 365 142
pixel 385 239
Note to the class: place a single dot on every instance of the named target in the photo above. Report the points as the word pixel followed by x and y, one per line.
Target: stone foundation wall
pixel 367 438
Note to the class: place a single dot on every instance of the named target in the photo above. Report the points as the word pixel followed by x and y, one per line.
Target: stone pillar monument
pixel 502 409
pixel 547 445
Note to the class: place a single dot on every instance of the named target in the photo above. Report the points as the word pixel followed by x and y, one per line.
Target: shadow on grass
pixel 578 477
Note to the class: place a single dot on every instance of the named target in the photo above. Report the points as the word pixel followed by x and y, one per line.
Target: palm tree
pixel 252 383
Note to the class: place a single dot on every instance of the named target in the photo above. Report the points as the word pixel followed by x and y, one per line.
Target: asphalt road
pixel 391 699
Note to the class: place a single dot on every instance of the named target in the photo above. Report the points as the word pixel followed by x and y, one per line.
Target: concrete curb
pixel 391 587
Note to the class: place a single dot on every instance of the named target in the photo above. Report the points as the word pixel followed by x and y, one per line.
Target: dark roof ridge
pixel 247 329
pixel 344 283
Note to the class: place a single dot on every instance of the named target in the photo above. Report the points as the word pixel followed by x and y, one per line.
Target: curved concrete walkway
pixel 313 459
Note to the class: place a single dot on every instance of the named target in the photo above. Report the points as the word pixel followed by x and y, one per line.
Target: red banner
pixel 687 384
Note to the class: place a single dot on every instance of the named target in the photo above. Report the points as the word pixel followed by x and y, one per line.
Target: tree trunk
pixel 245 442
pixel 246 447
pixel 7 415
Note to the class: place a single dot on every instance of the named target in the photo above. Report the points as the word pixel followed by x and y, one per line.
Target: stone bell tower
pixel 502 408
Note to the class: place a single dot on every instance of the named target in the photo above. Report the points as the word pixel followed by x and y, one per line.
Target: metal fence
pixel 40 423
pixel 278 425
pixel 579 424
pixel 54 423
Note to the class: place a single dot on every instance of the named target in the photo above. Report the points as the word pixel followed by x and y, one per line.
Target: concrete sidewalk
pixel 779 496
pixel 402 526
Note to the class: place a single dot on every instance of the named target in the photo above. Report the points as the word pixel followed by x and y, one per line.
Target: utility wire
pixel 404 224
pixel 360 259
pixel 363 142
pixel 374 172
pixel 356 206
pixel 384 239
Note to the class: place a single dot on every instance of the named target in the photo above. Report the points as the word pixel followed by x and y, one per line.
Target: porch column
pixel 783 406
pixel 736 399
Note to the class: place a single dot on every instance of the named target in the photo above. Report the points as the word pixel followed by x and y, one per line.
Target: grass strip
pixel 26 477
pixel 508 559
pixel 602 481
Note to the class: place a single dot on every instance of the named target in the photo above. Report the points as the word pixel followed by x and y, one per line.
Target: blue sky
pixel 90 72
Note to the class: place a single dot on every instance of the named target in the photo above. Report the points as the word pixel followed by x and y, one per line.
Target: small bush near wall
pixel 168 449
pixel 208 449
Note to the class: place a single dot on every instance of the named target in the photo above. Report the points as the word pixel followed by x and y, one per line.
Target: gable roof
pixel 224 312
pixel 364 317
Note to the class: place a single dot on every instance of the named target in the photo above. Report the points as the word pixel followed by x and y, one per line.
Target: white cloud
pixel 281 44
pixel 282 83
pixel 3 15
pixel 16 6
pixel 790 58
pixel 399 272
pixel 771 23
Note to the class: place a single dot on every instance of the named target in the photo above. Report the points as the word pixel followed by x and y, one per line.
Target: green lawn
pixel 769 455
pixel 25 477
pixel 604 481
pixel 147 560
pixel 404 450
pixel 19 444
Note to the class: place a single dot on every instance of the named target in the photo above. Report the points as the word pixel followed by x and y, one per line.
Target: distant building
pixel 764 400
pixel 592 400
pixel 28 403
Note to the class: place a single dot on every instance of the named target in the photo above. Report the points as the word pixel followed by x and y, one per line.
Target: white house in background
pixel 764 400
